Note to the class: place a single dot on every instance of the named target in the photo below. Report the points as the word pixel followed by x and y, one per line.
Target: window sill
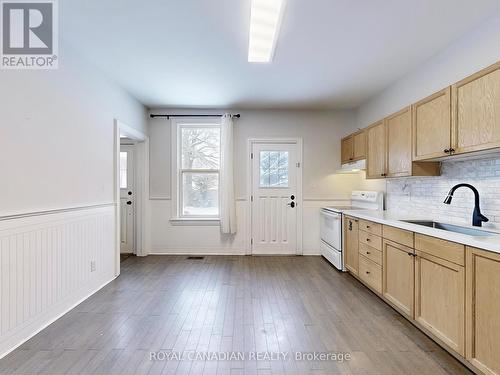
pixel 207 222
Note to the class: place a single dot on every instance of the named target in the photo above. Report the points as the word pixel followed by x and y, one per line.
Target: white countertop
pixel 491 243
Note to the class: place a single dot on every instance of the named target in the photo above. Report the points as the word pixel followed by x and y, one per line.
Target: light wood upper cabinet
pixel 351 241
pixel 353 147
pixel 359 142
pixel 476 111
pixel 462 118
pixel 398 276
pixel 398 128
pixel 376 151
pixel 432 126
pixel 389 149
pixel 483 310
pixel 347 149
pixel 440 299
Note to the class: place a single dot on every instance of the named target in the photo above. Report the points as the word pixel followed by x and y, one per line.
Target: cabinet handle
pixel 367 227
pixel 367 272
pixel 367 240
pixel 446 151
pixel 452 150
pixel 368 253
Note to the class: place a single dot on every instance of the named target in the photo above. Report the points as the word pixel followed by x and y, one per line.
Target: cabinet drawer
pixel 443 249
pixel 371 227
pixel 370 240
pixel 404 237
pixel 370 253
pixel 370 273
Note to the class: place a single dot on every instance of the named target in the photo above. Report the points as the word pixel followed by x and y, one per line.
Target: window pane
pixel 123 170
pixel 273 169
pixel 200 148
pixel 200 194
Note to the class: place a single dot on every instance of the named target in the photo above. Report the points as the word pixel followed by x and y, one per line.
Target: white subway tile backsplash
pixel 425 195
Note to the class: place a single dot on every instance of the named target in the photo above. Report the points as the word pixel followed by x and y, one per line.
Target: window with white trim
pixel 198 166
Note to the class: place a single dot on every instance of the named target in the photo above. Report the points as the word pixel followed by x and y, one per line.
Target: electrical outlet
pixel 92 265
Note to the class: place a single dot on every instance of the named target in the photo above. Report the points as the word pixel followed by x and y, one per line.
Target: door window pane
pixel 200 147
pixel 200 194
pixel 123 170
pixel 273 169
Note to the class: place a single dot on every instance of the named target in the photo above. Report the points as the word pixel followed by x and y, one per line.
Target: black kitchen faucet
pixel 477 217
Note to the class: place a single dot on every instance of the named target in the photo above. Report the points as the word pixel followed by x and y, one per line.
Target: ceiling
pixel 330 53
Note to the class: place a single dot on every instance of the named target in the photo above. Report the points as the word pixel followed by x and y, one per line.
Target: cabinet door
pixel 399 144
pixel 432 126
pixel 440 299
pixel 398 276
pixel 347 149
pixel 351 241
pixel 359 141
pixel 376 151
pixel 476 110
pixel 483 310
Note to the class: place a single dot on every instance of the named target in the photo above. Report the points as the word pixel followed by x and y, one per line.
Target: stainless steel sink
pixel 452 228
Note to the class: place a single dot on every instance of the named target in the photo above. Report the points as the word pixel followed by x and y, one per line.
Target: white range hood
pixel 353 167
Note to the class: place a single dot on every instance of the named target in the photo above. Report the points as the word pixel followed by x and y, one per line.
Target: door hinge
pixel 251 155
pixel 251 241
pixel 251 198
pixel 298 165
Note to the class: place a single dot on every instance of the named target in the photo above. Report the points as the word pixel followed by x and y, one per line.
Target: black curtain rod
pixel 237 115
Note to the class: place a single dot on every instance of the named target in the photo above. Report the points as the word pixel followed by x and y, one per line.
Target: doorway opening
pixel 128 219
pixel 275 186
pixel 131 178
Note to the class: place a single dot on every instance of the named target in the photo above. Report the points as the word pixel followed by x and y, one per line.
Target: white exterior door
pixel 127 198
pixel 274 198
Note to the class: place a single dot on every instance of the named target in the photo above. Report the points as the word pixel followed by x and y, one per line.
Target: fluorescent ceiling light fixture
pixel 265 22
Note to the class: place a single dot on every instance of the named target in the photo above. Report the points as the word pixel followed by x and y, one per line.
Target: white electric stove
pixel 332 223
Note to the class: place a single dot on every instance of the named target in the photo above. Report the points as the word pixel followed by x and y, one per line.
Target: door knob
pixel 129 202
pixel 291 204
pixel 129 193
pixel 292 197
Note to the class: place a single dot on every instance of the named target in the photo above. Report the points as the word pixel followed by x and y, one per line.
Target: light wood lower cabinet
pixel 483 310
pixel 351 241
pixel 370 273
pixel 398 276
pixel 449 291
pixel 440 299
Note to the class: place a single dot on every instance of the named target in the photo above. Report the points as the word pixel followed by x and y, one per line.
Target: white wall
pixel 56 152
pixel 56 136
pixel 321 132
pixel 476 50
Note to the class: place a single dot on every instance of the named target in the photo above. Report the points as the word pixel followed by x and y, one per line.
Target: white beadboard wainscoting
pixel 425 195
pixel 204 240
pixel 45 267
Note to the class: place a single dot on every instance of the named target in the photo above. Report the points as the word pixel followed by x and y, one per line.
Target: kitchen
pixel 440 275
pixel 256 187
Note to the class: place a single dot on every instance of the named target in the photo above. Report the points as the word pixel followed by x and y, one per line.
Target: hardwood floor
pixel 225 304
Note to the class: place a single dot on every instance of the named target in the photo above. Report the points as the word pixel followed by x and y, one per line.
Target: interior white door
pixel 274 198
pixel 127 200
